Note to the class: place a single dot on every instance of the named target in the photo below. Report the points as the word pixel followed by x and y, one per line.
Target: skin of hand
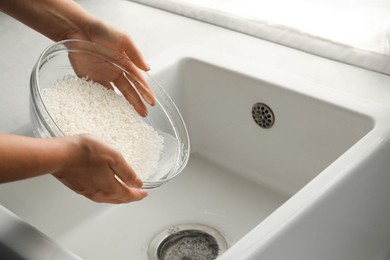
pixel 92 171
pixel 83 163
pixel 96 68
pixel 68 20
pixel 112 38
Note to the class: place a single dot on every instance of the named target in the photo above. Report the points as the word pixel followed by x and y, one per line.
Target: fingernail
pixel 145 193
pixel 147 67
pixel 150 99
pixel 143 112
pixel 138 183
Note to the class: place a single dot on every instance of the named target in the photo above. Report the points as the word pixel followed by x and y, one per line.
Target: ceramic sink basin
pixel 255 185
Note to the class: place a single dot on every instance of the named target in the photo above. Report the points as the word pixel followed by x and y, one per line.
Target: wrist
pixel 69 152
pixel 53 18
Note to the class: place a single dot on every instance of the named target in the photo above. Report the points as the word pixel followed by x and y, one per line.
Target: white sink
pixel 254 185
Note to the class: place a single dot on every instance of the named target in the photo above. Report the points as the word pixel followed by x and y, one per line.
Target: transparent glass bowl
pixel 55 63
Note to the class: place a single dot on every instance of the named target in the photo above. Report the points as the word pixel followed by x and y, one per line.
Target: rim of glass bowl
pixel 172 113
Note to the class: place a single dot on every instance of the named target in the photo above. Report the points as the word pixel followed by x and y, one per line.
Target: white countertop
pixel 353 32
pixel 155 31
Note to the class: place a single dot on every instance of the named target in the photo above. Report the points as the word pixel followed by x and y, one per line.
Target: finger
pixel 124 194
pixel 132 60
pixel 124 173
pixel 131 95
pixel 136 195
pixel 140 83
pixel 116 192
pixel 102 199
pixel 129 199
pixel 127 194
pixel 134 54
pixel 127 176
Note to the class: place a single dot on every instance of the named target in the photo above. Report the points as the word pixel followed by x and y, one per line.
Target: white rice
pixel 83 106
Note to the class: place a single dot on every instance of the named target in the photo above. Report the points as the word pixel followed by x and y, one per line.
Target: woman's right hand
pixel 97 171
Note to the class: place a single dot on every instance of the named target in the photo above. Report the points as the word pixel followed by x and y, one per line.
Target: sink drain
pixel 187 242
pixel 263 115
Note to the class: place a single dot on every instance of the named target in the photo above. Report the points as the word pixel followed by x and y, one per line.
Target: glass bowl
pixel 55 63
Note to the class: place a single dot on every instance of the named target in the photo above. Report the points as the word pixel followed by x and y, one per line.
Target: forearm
pixel 53 18
pixel 25 157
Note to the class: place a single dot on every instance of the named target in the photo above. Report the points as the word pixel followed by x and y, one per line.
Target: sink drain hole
pixel 187 242
pixel 191 245
pixel 263 115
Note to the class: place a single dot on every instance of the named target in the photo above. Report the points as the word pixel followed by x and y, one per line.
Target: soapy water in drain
pixel 187 242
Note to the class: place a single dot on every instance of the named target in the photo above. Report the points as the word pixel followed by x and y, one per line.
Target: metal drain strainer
pixel 187 242
pixel 263 115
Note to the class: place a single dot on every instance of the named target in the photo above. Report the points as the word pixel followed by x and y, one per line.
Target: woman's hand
pixel 82 162
pixel 115 41
pixel 66 19
pixel 99 172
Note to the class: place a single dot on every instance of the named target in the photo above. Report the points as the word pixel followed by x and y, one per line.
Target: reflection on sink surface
pixel 238 173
